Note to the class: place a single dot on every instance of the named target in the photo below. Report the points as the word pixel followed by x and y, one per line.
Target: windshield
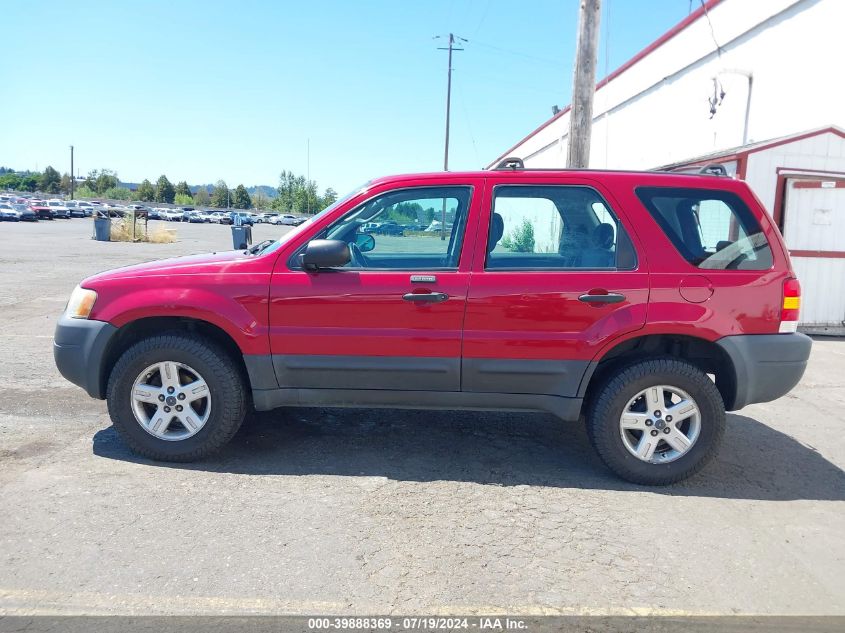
pixel 298 229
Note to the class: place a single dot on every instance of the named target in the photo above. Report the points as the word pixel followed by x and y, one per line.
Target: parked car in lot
pixel 8 213
pixel 75 210
pixel 60 210
pixel 246 218
pixel 646 304
pixel 288 220
pixel 25 213
pixel 41 209
pixel 389 228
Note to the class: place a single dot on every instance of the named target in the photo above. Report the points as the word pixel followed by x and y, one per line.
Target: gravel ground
pixel 323 510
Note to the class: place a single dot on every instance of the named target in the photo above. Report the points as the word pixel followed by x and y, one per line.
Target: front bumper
pixel 79 348
pixel 766 366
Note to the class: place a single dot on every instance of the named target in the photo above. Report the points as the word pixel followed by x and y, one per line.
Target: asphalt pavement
pixel 381 511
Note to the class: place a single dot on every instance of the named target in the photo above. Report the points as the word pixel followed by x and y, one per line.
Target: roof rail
pixel 714 169
pixel 511 162
pixel 710 169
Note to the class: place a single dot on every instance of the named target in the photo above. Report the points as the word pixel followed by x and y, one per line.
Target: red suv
pixel 648 303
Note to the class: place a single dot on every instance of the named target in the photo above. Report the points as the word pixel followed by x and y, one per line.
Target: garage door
pixel 814 229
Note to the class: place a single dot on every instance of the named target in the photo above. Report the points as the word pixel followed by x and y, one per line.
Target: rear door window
pixel 555 227
pixel 713 230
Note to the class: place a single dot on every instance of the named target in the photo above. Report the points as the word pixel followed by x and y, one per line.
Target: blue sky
pixel 203 89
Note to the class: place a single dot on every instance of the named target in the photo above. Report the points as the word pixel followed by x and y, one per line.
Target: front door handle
pixel 610 297
pixel 426 297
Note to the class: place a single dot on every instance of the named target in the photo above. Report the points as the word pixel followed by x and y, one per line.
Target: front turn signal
pixel 81 303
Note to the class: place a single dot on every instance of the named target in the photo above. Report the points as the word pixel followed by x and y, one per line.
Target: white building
pixel 755 84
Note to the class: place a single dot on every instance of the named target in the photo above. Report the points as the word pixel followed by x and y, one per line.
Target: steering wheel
pixel 357 258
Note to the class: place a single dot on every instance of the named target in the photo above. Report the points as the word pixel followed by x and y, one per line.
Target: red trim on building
pixel 660 41
pixel 819 184
pixel 741 166
pixel 802 171
pixel 792 139
pixel 780 194
pixel 819 254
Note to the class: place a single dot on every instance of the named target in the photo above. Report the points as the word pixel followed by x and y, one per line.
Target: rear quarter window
pixel 713 230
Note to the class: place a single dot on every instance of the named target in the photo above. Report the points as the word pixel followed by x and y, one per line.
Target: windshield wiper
pixel 257 248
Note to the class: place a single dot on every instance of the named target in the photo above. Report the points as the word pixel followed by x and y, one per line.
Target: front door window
pixel 410 229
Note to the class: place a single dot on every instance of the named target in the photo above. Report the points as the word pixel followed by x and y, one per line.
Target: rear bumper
pixel 79 346
pixel 766 366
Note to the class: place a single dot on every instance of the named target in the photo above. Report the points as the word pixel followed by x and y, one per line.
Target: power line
pixel 483 17
pixel 463 102
pixel 545 60
pixel 712 32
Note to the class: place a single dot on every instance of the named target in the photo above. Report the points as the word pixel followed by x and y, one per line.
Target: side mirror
pixel 365 242
pixel 325 254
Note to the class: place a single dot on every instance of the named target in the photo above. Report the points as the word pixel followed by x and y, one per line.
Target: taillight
pixel 791 305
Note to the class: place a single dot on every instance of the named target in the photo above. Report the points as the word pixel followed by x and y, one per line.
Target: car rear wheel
pixel 176 397
pixel 656 422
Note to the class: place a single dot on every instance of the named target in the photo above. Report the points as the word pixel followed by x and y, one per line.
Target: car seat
pixel 601 253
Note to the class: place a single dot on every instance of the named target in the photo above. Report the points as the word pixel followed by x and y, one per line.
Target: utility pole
pixel 308 177
pixel 450 48
pixel 452 40
pixel 71 172
pixel 583 85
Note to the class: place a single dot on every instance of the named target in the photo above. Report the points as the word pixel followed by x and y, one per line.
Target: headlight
pixel 81 303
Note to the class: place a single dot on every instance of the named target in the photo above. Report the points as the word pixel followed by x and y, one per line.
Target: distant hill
pixel 267 190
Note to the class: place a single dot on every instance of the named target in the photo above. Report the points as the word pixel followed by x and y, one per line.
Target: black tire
pixel 606 407
pixel 220 372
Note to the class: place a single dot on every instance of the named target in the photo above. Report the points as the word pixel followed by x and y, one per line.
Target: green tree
pixel 29 182
pixel 104 179
pixel 146 192
pixel 91 180
pixel 259 199
pixel 201 197
pixel 328 199
pixel 50 180
pixel 164 190
pixel 288 185
pixel 9 181
pixel 220 195
pixel 64 185
pixel 521 239
pixel 84 191
pixel 119 193
pixel 183 201
pixel 183 189
pixel 240 198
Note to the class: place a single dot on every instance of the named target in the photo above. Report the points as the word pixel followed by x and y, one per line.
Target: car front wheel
pixel 176 397
pixel 656 422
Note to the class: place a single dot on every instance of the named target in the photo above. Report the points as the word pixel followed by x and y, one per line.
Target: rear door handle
pixel 611 297
pixel 426 297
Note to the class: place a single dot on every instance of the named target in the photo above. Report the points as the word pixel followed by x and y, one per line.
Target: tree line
pixel 294 194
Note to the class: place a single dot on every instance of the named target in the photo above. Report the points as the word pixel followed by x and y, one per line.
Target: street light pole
pixel 71 172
